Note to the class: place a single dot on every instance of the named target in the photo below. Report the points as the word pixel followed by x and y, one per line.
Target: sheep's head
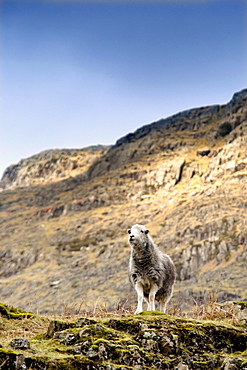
pixel 138 235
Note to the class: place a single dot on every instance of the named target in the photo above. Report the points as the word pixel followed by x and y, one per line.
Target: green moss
pixel 152 313
pixel 127 341
pixel 8 352
pixel 13 313
pixel 94 346
pixel 40 337
pixel 242 304
pixel 101 340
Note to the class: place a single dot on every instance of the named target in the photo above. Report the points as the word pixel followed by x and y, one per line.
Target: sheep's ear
pixel 146 231
pixel 129 231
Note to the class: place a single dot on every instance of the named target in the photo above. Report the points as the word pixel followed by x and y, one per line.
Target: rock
pixel 56 326
pixel 60 334
pixel 84 321
pixel 50 212
pixel 228 364
pixel 190 172
pixel 13 313
pixel 70 339
pixel 182 367
pixel 103 355
pixel 55 283
pixel 77 350
pixel 85 332
pixel 167 174
pixel 20 343
pixel 92 354
pixel 236 309
pixel 203 151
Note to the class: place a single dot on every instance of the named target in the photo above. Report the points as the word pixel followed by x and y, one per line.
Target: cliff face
pixel 63 240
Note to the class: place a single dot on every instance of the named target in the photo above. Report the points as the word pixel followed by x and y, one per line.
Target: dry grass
pixel 210 310
pixel 24 328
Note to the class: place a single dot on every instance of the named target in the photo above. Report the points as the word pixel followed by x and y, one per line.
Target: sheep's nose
pixel 131 237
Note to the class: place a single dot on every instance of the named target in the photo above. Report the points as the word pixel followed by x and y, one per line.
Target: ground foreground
pixel 151 340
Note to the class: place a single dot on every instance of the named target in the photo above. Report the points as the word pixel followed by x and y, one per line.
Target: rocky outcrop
pixel 50 166
pixel 166 174
pixel 196 256
pixel 149 340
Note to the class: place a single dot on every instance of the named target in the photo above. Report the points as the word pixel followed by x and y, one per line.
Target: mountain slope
pixel 63 242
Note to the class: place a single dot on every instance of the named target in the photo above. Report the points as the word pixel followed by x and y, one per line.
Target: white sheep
pixel 151 272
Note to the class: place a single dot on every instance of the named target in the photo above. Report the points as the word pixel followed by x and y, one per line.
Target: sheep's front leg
pixel 140 295
pixel 151 298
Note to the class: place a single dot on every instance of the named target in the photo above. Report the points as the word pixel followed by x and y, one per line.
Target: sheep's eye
pixel 142 231
pixel 129 231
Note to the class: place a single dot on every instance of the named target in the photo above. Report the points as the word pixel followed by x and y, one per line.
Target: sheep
pixel 151 272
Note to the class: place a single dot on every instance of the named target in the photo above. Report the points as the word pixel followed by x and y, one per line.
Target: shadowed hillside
pixel 64 214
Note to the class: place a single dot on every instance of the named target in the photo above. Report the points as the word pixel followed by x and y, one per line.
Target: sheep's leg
pixel 140 295
pixel 151 298
pixel 163 305
pixel 165 299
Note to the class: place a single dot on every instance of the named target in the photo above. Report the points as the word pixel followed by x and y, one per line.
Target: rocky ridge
pixel 63 240
pixel 50 166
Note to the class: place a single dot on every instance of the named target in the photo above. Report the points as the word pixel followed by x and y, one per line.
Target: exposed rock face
pixel 166 174
pixel 49 166
pixel 184 177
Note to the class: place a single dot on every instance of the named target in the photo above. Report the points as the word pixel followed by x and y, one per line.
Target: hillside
pixel 64 220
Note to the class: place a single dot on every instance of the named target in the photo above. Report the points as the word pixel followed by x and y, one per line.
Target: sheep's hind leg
pixel 152 293
pixel 140 295
pixel 163 305
pixel 165 299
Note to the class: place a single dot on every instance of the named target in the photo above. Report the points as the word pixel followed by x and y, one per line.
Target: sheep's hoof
pixel 138 311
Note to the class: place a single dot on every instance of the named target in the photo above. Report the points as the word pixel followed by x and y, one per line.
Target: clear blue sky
pixel 77 73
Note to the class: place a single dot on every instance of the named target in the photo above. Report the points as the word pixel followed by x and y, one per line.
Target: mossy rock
pixel 243 305
pixel 150 340
pixel 13 313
